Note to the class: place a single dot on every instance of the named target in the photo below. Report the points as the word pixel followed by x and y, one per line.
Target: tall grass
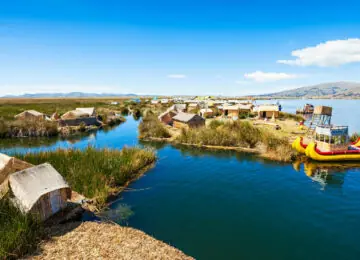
pixel 95 173
pixel 151 127
pixel 233 134
pixel 27 128
pixel 297 118
pixel 238 134
pixel 277 148
pixel 19 234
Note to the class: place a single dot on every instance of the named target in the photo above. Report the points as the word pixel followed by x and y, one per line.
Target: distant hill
pixel 326 90
pixel 68 95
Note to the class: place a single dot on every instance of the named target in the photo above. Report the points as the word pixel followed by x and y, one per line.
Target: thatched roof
pixel 87 110
pixel 268 108
pixel 75 114
pixel 185 117
pixel 206 110
pixel 31 112
pixel 30 184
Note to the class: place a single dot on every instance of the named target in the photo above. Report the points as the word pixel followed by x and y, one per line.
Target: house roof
pixel 270 108
pixel 184 117
pixel 76 114
pixel 206 110
pixel 88 110
pixel 33 112
pixel 30 184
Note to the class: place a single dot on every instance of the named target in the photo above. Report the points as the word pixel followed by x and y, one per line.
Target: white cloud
pixel 260 76
pixel 328 54
pixel 176 76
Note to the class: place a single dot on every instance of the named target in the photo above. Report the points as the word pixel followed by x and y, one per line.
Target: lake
pixel 228 205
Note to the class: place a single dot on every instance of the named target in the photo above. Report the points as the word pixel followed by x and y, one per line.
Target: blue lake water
pixel 227 205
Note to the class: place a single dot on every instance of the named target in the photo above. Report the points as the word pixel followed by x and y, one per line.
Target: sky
pixel 176 47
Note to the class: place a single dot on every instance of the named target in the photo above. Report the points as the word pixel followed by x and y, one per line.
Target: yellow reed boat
pixel 331 144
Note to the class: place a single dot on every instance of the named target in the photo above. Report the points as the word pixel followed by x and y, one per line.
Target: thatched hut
pixel 231 111
pixel 268 111
pixel 167 117
pixel 30 115
pixel 9 165
pixel 39 190
pixel 206 112
pixel 188 120
pixel 88 110
pixel 74 114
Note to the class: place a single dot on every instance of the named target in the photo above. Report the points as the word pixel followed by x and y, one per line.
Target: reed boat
pixel 341 155
pixel 300 146
pixel 331 143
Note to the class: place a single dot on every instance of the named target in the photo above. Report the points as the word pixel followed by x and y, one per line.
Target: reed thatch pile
pixel 93 240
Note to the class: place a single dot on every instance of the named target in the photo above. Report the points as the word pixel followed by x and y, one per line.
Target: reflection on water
pixel 331 175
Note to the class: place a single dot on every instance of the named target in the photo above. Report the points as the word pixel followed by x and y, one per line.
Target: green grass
pixel 151 127
pixel 238 134
pixel 232 134
pixel 19 234
pixel 95 173
pixel 297 118
pixel 27 128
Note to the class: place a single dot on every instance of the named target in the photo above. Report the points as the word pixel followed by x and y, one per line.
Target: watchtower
pixel 321 116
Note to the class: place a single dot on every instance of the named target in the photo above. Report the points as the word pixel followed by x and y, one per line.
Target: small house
pixel 114 103
pixel 206 112
pixel 30 115
pixel 75 114
pixel 164 101
pixel 88 110
pixel 268 111
pixel 9 165
pixel 188 120
pixel 178 108
pixel 230 111
pixel 39 190
pixel 167 117
pixel 192 107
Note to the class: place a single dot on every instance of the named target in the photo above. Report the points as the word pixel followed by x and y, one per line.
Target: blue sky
pixel 176 47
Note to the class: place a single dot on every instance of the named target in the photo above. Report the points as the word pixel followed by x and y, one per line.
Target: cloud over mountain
pixel 328 54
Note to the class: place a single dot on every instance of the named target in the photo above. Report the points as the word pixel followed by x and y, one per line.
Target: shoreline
pixel 259 151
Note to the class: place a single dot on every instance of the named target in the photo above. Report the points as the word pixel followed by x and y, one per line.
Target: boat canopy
pixel 332 130
pixel 334 135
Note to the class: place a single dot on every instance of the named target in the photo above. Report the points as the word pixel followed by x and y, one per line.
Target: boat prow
pixel 357 142
pixel 298 145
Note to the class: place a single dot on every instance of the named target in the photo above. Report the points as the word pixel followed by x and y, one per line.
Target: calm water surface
pixel 226 205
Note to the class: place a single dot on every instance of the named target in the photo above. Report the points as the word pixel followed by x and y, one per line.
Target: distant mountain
pixel 327 90
pixel 68 95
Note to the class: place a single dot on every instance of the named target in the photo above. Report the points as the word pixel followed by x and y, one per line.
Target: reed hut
pixel 9 165
pixel 39 190
pixel 206 112
pixel 268 111
pixel 230 111
pixel 74 114
pixel 30 115
pixel 182 120
pixel 179 107
pixel 88 110
pixel 167 117
pixel 193 107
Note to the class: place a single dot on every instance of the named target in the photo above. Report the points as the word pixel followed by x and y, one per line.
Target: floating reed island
pixel 264 138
